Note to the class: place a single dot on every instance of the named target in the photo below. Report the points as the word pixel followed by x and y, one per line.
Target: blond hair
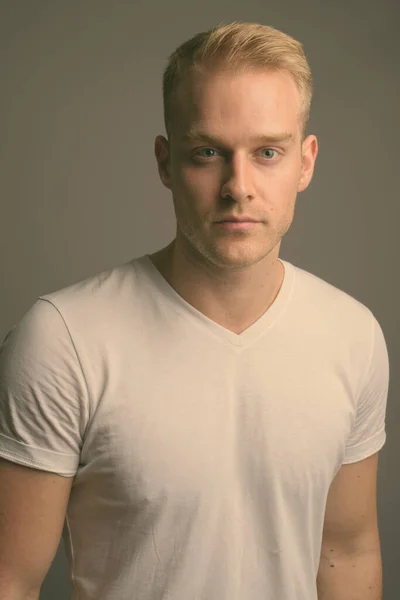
pixel 237 46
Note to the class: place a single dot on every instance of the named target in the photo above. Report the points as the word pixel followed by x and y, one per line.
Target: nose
pixel 238 182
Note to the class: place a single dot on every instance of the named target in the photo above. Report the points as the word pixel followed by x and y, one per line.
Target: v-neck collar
pixel 247 336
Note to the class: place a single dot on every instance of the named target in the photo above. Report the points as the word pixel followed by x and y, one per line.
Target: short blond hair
pixel 237 46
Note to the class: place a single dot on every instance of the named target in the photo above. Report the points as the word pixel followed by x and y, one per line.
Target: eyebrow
pixel 198 136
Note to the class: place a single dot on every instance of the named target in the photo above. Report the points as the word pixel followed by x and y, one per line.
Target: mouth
pixel 238 220
pixel 237 225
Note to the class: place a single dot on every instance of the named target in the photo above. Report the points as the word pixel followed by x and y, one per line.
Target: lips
pixel 237 225
pixel 244 220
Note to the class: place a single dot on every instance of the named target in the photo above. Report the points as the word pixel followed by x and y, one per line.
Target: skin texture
pixel 33 504
pixel 351 561
pixel 232 277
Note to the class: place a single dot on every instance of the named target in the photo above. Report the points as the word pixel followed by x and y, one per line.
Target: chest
pixel 165 430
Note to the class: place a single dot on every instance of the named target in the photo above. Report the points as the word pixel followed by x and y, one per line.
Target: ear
pixel 309 155
pixel 161 150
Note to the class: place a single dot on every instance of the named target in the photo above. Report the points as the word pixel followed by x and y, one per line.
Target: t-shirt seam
pixel 369 361
pixel 372 437
pixel 32 462
pixel 181 314
pixel 240 344
pixel 2 435
pixel 77 357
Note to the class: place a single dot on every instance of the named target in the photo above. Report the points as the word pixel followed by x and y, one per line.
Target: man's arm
pixel 350 564
pixel 33 504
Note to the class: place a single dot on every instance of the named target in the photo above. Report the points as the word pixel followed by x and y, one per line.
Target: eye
pixel 198 153
pixel 269 150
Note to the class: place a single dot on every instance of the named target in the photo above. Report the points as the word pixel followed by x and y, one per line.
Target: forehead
pixel 238 103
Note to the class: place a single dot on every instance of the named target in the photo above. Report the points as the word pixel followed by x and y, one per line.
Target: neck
pixel 235 299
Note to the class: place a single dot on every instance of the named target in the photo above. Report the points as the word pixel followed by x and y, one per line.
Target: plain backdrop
pixel 80 106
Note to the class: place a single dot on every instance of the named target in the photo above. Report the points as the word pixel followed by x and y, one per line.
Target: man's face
pixel 217 165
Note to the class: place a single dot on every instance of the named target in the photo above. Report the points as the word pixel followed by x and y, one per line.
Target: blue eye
pixel 205 150
pixel 269 150
pixel 211 153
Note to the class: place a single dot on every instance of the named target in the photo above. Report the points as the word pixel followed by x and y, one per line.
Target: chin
pixel 239 257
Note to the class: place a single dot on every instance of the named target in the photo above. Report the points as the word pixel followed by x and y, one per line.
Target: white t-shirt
pixel 201 458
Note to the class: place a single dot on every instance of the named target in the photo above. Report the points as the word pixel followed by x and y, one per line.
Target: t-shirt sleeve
pixel 43 395
pixel 368 434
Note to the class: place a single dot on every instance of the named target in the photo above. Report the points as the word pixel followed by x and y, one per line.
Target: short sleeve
pixel 368 434
pixel 43 395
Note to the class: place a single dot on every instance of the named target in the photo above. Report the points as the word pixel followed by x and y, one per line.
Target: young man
pixel 203 422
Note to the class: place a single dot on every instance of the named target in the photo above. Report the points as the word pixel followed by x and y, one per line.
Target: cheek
pixel 201 183
pixel 284 183
pixel 279 190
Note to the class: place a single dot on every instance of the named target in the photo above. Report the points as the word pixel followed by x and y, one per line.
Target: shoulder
pixel 95 295
pixel 331 315
pixel 321 298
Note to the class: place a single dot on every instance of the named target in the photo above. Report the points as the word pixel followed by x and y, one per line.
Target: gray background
pixel 81 104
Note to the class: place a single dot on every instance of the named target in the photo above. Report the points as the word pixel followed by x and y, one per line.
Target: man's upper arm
pixel 351 521
pixel 32 511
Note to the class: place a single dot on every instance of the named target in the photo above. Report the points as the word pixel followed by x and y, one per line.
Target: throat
pixel 223 312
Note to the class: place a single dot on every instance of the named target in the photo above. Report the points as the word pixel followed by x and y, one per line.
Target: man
pixel 204 422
